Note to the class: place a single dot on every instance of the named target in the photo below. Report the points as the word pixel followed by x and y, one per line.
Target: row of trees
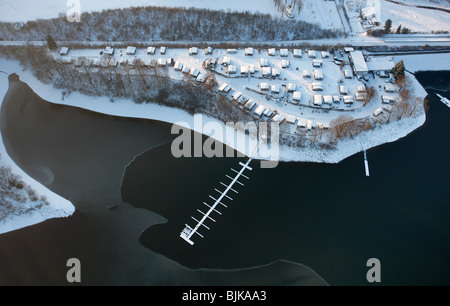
pixel 165 24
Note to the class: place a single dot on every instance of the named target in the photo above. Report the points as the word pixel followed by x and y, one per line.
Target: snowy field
pixel 416 19
pixel 323 13
pixel 59 207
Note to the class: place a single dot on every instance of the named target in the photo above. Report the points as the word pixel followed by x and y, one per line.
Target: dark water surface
pixel 329 217
pixel 82 156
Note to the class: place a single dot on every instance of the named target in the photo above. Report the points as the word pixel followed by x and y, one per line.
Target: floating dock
pixel 189 231
pixel 366 164
pixel 444 100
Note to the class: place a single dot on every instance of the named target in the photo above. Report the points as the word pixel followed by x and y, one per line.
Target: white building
pixel 264 62
pixel 131 50
pixel 317 100
pixel 264 86
pixel 358 63
pixel 151 50
pixel 343 90
pixel 193 51
pixel 284 52
pixel 318 75
pixel 231 69
pixel 248 51
pixel 178 66
pixel 109 51
pixel 275 88
pixel 297 53
pixel 296 96
pixel 272 51
pixel 312 54
pixel 64 51
pixel 208 50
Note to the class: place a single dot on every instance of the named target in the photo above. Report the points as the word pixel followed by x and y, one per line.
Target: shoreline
pixel 59 207
pixel 129 109
pixel 112 233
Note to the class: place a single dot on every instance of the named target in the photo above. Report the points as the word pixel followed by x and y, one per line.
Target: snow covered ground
pixel 416 19
pixel 59 207
pixel 323 13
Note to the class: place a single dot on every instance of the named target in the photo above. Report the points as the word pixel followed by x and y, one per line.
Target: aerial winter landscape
pixel 224 143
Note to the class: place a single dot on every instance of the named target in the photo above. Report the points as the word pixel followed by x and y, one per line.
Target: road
pixel 391 40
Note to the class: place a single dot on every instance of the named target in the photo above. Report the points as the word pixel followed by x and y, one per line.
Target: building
pixel 259 110
pixel 380 64
pixel 264 86
pixel 248 51
pixel 201 78
pixel 285 63
pixel 272 51
pixel 231 69
pixel 264 62
pixel 296 96
pixel 208 50
pixel 312 54
pixel 328 99
pixel 178 66
pixel 317 86
pixel 318 100
pixel 151 50
pixel 358 63
pixel 377 112
pixel 194 72
pixel 297 53
pixel 226 60
pixel 162 50
pixel 389 87
pixel 266 72
pixel 317 63
pixel 318 75
pixel 64 51
pixel 368 13
pixel 343 90
pixel 225 88
pixel 291 87
pixel 275 88
pixel 109 51
pixel 193 51
pixel 284 52
pixel 131 50
pixel 348 100
pixel 348 74
pixel 275 72
pixel 306 74
pixel 162 62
